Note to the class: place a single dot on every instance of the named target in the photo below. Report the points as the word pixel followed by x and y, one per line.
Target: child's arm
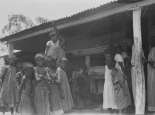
pixel 46 50
pixel 47 47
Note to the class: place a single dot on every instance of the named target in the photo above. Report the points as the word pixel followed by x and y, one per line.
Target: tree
pixel 17 23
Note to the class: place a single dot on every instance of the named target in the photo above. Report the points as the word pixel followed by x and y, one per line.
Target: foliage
pixel 17 23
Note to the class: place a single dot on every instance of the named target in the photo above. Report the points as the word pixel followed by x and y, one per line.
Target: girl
pixel 54 46
pixel 122 95
pixel 56 95
pixel 67 102
pixel 9 84
pixel 26 105
pixel 108 93
pixel 41 98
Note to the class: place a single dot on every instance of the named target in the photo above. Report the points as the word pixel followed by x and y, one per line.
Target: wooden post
pixel 138 79
pixel 11 48
pixel 87 61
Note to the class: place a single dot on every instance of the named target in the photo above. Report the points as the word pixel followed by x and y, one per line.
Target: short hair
pixel 39 56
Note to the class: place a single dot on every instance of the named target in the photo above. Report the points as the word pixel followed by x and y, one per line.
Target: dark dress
pixel 55 94
pixel 9 87
pixel 26 104
pixel 41 98
pixel 67 101
pixel 121 90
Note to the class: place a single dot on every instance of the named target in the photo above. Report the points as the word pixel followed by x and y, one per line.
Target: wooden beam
pixel 138 79
pixel 97 16
pixel 88 51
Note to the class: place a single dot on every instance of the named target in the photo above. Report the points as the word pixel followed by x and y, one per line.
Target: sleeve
pixel 48 43
pixel 59 75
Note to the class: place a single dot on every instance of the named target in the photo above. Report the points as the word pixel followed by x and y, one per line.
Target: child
pixel 108 93
pixel 56 95
pixel 122 94
pixel 26 104
pixel 53 46
pixel 9 84
pixel 67 102
pixel 41 98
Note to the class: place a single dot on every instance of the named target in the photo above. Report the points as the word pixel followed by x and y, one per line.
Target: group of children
pixel 40 90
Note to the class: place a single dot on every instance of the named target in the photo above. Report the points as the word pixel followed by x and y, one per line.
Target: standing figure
pixel 26 102
pixel 127 72
pixel 151 80
pixel 54 45
pixel 56 95
pixel 19 78
pixel 41 98
pixel 122 94
pixel 9 84
pixel 108 93
pixel 67 102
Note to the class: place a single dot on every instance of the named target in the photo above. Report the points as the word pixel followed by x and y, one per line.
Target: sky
pixel 50 9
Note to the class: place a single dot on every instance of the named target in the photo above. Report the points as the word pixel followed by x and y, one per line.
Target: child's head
pixel 28 70
pixel 39 59
pixel 6 60
pixel 50 62
pixel 10 60
pixel 53 34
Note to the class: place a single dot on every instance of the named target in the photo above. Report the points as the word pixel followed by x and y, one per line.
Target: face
pixel 6 59
pixel 29 72
pixel 39 61
pixel 53 35
pixel 51 62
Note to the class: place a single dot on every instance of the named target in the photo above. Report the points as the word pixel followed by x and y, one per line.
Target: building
pixel 89 34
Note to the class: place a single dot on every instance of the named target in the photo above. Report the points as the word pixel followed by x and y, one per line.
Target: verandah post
pixel 138 79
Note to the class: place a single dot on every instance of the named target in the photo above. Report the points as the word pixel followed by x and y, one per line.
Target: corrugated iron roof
pixel 83 14
pixel 103 8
